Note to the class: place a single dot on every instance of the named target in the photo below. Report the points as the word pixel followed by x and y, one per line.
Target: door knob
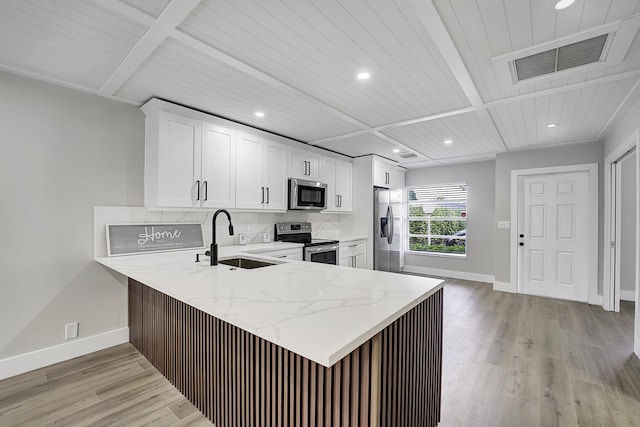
pixel 521 243
pixel 521 236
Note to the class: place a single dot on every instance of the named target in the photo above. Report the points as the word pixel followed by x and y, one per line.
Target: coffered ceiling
pixel 435 67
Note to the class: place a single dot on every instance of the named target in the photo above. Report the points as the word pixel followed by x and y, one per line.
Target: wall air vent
pixel 595 49
pixel 562 58
pixel 407 155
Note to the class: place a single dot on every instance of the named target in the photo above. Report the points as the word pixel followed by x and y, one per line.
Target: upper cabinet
pixel 218 167
pixel 261 182
pixel 197 161
pixel 337 174
pixel 304 164
pixel 188 164
pixel 387 175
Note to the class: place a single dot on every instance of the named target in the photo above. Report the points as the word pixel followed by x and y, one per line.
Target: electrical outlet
pixel 71 331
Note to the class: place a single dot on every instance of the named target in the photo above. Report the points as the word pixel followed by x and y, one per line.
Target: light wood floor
pixel 113 387
pixel 509 360
pixel 517 360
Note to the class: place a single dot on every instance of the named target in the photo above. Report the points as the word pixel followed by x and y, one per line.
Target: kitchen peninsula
pixel 295 343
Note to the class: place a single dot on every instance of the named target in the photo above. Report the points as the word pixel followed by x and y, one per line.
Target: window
pixel 438 219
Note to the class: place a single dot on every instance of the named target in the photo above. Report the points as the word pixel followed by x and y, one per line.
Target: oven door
pixel 327 254
pixel 307 195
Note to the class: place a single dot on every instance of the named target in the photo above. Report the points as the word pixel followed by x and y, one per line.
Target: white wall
pixel 570 154
pixel 628 226
pixel 63 152
pixel 620 130
pixel 480 179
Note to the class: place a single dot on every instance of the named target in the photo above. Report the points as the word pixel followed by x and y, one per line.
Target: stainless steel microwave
pixel 307 195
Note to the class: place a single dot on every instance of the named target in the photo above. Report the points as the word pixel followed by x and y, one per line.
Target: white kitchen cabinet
pixel 294 254
pixel 188 164
pixel 337 175
pixel 261 181
pixel 384 174
pixel 304 164
pixel 353 253
pixel 218 167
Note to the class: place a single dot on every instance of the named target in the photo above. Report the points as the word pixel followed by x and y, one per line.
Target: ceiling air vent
pixel 595 49
pixel 407 155
pixel 562 58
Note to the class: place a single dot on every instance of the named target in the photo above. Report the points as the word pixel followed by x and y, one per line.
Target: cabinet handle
pixel 353 261
pixel 341 200
pixel 205 184
pixel 262 195
pixel 281 256
pixel 267 195
pixel 307 168
pixel 198 190
pixel 337 201
pixel 353 246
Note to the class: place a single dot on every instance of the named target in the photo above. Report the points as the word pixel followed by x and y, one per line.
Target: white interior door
pixel 554 235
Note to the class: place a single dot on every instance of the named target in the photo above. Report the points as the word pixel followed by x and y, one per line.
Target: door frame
pixel 592 176
pixel 611 290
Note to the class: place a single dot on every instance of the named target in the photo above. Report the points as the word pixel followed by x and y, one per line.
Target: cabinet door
pixel 329 178
pixel 179 161
pixel 344 185
pixel 304 164
pixel 346 261
pixel 360 261
pixel 296 163
pixel 250 193
pixel 380 174
pixel 218 167
pixel 275 176
pixel 314 165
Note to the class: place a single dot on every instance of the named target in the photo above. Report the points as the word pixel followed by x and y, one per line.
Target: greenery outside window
pixel 438 219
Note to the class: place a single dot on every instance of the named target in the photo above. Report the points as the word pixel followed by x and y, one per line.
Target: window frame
pixel 409 219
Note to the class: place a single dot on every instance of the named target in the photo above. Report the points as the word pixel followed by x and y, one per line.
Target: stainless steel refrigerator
pixel 387 229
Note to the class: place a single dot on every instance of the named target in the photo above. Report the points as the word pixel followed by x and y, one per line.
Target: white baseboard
pixel 628 296
pixel 504 287
pixel 448 273
pixel 26 362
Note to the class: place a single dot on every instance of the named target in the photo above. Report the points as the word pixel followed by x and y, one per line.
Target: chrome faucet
pixel 214 245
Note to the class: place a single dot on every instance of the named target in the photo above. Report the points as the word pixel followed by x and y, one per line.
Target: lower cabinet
pixel 294 254
pixel 353 254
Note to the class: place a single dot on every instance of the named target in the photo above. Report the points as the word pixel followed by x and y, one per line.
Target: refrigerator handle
pixel 389 224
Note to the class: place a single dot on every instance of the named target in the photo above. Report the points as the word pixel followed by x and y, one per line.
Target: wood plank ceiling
pixel 432 64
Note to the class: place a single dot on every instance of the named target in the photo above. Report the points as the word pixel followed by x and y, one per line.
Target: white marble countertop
pixel 321 312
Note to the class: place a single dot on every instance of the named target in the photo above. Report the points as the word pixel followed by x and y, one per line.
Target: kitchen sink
pixel 245 263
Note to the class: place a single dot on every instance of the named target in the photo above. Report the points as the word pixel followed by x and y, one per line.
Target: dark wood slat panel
pixel 236 378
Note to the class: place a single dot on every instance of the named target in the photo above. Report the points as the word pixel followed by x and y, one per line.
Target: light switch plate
pixel 504 224
pixel 71 331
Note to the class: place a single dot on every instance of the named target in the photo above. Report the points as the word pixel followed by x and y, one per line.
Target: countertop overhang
pixel 321 312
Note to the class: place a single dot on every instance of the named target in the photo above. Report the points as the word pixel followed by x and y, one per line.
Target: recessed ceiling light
pixel 258 114
pixel 563 4
pixel 551 125
pixel 395 150
pixel 448 141
pixel 363 76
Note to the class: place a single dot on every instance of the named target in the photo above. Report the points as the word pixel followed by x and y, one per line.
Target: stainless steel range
pixel 315 250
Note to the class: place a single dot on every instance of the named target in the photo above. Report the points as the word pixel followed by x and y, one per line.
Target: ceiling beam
pixel 168 20
pixel 499 102
pixel 428 14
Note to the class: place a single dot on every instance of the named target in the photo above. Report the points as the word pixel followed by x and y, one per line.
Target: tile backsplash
pixel 253 224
